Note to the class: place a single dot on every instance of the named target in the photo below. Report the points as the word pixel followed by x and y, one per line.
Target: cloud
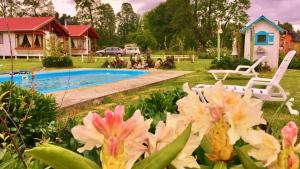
pixel 65 7
pixel 146 5
pixel 282 10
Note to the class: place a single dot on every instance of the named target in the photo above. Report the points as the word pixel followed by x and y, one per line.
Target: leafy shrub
pixel 106 64
pixel 59 132
pixel 53 61
pixel 157 105
pixel 211 53
pixel 295 63
pixel 29 110
pixel 224 63
pixel 229 63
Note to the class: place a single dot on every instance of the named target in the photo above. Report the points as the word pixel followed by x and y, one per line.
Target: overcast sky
pixel 283 10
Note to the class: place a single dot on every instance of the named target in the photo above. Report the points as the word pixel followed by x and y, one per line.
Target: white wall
pixel 272 51
pixel 5 47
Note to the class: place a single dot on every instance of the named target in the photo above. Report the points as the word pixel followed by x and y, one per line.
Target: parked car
pixel 132 50
pixel 111 51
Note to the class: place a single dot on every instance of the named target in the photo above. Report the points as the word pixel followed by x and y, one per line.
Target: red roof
pixel 79 30
pixel 24 23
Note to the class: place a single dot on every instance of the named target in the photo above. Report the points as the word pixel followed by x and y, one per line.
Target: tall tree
pixel 70 20
pixel 38 8
pixel 87 11
pixel 171 23
pixel 107 25
pixel 287 26
pixel 127 22
pixel 226 11
pixel 12 8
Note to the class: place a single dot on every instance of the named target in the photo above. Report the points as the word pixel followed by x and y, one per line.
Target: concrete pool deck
pixel 74 97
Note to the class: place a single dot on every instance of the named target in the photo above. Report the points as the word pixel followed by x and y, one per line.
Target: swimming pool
pixel 47 82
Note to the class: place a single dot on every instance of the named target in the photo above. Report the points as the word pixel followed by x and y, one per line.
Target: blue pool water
pixel 47 82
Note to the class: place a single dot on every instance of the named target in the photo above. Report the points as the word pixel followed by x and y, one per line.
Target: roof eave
pixel 257 20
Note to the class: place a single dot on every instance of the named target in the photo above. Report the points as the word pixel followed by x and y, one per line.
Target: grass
pixel 290 83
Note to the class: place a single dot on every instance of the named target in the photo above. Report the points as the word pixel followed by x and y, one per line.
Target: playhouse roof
pixel 258 20
pixel 79 30
pixel 27 23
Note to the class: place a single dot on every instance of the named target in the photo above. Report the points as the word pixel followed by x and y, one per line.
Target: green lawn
pixel 290 83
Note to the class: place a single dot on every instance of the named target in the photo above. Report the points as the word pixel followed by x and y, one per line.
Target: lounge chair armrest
pixel 239 67
pixel 259 79
pixel 261 82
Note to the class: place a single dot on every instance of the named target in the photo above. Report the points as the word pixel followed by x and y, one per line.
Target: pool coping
pixel 79 96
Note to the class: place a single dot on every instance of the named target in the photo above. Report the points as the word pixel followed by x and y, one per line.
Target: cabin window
pixel 38 41
pixel 264 38
pixel 80 43
pixel 72 44
pixel 29 40
pixel 1 38
pixel 26 41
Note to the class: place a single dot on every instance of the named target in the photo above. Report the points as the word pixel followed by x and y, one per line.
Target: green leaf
pixel 220 165
pixel 165 156
pixel 60 158
pixel 205 167
pixel 246 161
pixel 206 145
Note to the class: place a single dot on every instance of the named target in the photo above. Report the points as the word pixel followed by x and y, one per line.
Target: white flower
pixel 167 132
pixel 243 117
pixel 192 108
pixel 265 147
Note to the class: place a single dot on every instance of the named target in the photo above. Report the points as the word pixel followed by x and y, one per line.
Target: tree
pixel 206 12
pixel 127 21
pixel 170 22
pixel 12 8
pixel 71 20
pixel 287 26
pixel 87 11
pixel 38 8
pixel 144 39
pixel 107 27
pixel 54 48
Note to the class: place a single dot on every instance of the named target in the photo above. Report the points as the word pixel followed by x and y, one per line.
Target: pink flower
pixel 289 134
pixel 293 161
pixel 113 128
pixel 121 141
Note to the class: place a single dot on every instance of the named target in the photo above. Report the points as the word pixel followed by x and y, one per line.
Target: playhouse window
pixel 264 38
pixel 261 38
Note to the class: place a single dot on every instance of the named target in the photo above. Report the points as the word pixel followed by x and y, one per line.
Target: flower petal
pixel 265 147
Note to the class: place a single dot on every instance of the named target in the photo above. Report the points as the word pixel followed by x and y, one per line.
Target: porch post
pixel 70 46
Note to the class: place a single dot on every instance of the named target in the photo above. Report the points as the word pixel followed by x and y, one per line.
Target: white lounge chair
pixel 241 70
pixel 272 90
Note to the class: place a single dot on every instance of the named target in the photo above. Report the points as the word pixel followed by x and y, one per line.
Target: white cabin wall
pixel 271 51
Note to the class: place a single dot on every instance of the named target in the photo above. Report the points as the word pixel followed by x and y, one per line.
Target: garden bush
pixel 224 63
pixel 229 63
pixel 29 110
pixel 54 61
pixel 211 53
pixel 295 63
pixel 157 105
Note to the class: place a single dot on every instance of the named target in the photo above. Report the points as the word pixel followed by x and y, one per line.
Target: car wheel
pixel 100 54
pixel 119 55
